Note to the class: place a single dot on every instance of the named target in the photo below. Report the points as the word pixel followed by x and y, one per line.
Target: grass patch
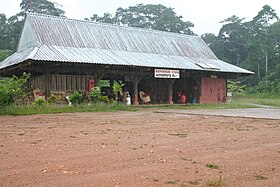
pixel 237 102
pixel 53 109
pixel 33 142
pixel 212 166
pixel 181 135
pixel 172 182
pixel 257 100
pixel 260 177
pixel 215 182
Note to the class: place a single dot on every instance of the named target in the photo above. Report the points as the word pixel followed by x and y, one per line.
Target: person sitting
pixel 144 97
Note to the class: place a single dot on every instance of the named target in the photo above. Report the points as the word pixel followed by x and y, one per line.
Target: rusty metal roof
pixel 50 38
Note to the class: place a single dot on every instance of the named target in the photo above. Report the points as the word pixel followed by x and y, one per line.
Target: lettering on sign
pixel 167 73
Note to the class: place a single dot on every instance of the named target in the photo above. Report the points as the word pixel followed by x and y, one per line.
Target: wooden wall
pixel 213 90
pixel 61 82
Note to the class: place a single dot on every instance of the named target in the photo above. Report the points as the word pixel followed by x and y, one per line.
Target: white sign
pixel 167 73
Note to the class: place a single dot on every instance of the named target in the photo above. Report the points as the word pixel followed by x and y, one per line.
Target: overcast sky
pixel 204 14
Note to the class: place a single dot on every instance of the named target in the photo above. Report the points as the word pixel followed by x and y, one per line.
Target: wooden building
pixel 64 55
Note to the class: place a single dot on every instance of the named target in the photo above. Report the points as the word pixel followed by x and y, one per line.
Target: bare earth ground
pixel 143 148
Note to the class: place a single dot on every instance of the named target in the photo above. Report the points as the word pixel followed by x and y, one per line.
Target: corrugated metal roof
pixel 67 40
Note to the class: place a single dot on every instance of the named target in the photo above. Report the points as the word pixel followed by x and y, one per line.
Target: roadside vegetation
pixel 45 108
pixel 16 99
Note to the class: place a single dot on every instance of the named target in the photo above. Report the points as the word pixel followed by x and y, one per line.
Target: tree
pixel 233 36
pixel 4 54
pixel 15 24
pixel 107 18
pixel 150 16
pixel 261 24
pixel 274 36
pixel 209 38
pixel 41 7
pixel 10 28
pixel 3 32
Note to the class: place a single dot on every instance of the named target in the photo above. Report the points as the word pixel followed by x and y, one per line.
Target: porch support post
pixel 47 84
pixel 111 83
pixel 135 82
pixel 170 91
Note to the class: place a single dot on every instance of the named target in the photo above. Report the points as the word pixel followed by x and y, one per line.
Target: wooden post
pixel 170 90
pixel 111 84
pixel 135 82
pixel 47 84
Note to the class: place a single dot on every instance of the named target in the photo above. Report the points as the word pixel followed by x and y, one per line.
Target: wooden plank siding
pixel 213 90
pixel 62 83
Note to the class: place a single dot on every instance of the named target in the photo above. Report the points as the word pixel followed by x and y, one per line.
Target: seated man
pixel 144 97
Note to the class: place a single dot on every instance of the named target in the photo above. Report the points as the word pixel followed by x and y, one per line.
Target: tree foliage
pixel 4 54
pixel 41 7
pixel 235 87
pixel 13 89
pixel 251 45
pixel 149 16
pixel 10 28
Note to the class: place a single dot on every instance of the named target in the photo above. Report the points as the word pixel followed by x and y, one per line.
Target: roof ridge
pixel 112 25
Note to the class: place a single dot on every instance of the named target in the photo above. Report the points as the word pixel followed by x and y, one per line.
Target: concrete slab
pixel 261 113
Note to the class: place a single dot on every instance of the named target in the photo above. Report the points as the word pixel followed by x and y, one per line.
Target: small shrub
pixel 105 99
pixel 40 103
pixel 52 99
pixel 113 102
pixel 13 89
pixel 76 98
pixel 95 95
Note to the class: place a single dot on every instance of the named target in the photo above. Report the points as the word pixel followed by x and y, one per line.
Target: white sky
pixel 204 14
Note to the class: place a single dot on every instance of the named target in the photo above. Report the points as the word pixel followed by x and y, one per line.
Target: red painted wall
pixel 213 90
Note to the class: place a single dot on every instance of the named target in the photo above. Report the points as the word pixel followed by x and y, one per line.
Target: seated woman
pixel 144 97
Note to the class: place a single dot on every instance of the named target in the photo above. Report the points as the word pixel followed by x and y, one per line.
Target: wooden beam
pixel 98 77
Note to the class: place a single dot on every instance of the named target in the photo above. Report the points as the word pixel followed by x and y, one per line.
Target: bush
pixel 105 99
pixel 52 99
pixel 235 87
pixel 13 89
pixel 76 98
pixel 95 95
pixel 40 103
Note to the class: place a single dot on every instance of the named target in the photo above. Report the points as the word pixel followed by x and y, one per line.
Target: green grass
pixel 260 177
pixel 257 100
pixel 237 102
pixel 172 182
pixel 53 109
pixel 179 134
pixel 212 166
pixel 199 106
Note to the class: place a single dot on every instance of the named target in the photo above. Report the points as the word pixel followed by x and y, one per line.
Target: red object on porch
pixel 90 85
pixel 182 98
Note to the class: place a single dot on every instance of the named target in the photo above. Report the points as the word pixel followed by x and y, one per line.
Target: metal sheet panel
pixel 55 31
pixel 66 40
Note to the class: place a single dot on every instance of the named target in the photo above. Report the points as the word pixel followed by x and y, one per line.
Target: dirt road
pixel 143 148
